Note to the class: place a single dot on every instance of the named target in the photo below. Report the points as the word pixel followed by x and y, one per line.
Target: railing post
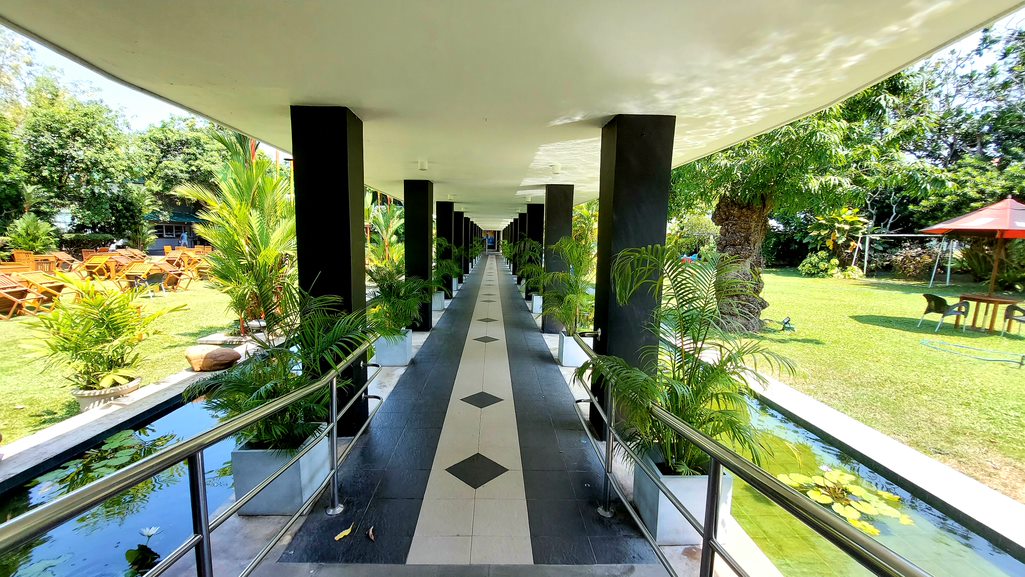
pixel 711 520
pixel 610 413
pixel 200 515
pixel 336 507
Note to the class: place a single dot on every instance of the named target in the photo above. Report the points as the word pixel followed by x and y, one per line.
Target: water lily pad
pixel 905 520
pixel 846 511
pixel 866 508
pixel 819 497
pixel 888 496
pixel 857 491
pixel 887 511
pixel 800 479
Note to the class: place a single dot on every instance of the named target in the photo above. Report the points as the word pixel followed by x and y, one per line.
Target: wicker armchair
pixel 1013 314
pixel 936 304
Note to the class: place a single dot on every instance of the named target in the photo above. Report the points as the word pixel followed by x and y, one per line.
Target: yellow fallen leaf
pixel 344 533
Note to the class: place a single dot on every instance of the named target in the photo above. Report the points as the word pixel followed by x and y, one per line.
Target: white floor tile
pixel 443 485
pixel 500 517
pixel 508 485
pixel 426 550
pixel 445 517
pixel 501 550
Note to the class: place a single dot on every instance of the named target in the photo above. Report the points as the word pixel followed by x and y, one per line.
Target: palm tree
pixel 249 219
pixel 699 370
pixel 386 221
pixel 567 294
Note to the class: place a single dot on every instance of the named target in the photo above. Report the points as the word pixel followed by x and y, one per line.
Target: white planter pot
pixel 249 467
pixel 570 353
pixel 664 521
pixel 455 285
pixel 90 399
pixel 394 351
pixel 438 301
pixel 535 304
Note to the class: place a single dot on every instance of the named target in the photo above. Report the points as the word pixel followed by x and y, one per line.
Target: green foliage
pixel 97 334
pixel 74 242
pixel 977 258
pixel 179 151
pixel 821 264
pixel 320 337
pixel 396 304
pixel 838 231
pixel 691 232
pixel 117 451
pixel 585 222
pixel 567 295
pixel 386 225
pixel 446 265
pixel 847 496
pixel 249 219
pixel 31 233
pixel 11 175
pixel 913 262
pixel 79 152
pixel 699 370
pixel 141 235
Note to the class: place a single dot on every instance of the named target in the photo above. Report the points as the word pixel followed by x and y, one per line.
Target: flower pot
pixel 570 353
pixel 455 285
pixel 535 304
pixel 90 399
pixel 663 520
pixel 249 467
pixel 438 301
pixel 394 351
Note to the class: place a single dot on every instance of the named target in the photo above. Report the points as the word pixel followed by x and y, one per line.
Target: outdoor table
pixel 980 299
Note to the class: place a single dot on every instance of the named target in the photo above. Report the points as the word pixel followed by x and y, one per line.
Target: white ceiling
pixel 494 93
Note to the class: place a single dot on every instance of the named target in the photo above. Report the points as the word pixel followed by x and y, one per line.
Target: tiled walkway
pixel 476 456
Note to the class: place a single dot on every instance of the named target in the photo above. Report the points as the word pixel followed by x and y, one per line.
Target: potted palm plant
pixel 568 296
pixel 96 336
pixel 698 371
pixel 446 272
pixel 393 308
pixel 321 336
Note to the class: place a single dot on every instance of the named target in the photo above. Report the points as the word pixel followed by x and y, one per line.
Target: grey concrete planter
pixel 438 301
pixel 570 353
pixel 663 520
pixel 90 399
pixel 535 304
pixel 249 467
pixel 394 351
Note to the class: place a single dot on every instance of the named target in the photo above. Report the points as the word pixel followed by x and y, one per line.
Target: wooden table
pixel 988 300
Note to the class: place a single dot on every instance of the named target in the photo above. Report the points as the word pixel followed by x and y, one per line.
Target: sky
pixel 142 110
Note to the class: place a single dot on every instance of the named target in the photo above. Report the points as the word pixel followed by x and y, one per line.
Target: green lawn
pixel 33 391
pixel 858 350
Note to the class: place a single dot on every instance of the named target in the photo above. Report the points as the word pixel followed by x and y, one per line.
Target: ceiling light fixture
pixel 556 168
pixel 421 165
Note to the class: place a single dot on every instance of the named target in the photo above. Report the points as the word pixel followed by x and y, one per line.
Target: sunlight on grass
pixel 859 351
pixel 35 393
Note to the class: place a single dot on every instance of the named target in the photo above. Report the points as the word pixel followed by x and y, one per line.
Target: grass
pixel 858 350
pixel 35 393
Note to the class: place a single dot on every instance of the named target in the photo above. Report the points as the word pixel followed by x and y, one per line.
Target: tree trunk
pixel 742 231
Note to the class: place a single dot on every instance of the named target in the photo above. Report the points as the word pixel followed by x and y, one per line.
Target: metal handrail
pixel 874 556
pixel 72 505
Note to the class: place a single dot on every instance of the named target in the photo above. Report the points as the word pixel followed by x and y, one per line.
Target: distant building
pixel 169 227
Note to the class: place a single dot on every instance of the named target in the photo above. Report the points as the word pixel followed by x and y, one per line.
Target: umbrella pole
pixel 996 263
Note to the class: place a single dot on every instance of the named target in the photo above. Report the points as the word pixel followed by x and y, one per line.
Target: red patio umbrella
pixel 1003 220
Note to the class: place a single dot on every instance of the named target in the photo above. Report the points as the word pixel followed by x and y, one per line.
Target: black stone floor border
pixel 561 475
pixel 383 481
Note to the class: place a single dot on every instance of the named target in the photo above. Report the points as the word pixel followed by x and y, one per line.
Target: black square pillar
pixel 443 225
pixel 633 207
pixel 558 224
pixel 535 231
pixel 521 233
pixel 418 202
pixel 457 240
pixel 327 148
pixel 467 243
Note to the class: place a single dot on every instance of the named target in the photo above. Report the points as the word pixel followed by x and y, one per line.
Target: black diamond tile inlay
pixel 476 471
pixel 487 301
pixel 489 294
pixel 487 320
pixel 486 339
pixel 482 399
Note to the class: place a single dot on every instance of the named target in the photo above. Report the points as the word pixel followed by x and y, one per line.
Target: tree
pixel 15 60
pixel 177 151
pixel 11 175
pixel 79 153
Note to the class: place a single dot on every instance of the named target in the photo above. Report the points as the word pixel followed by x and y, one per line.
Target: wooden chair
pixel 96 266
pixel 65 262
pixel 167 249
pixel 174 277
pixel 47 286
pixel 11 267
pixel 88 252
pixel 22 256
pixel 935 304
pixel 16 298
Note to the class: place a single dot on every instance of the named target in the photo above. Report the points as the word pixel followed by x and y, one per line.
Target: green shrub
pixel 73 242
pixel 821 264
pixel 397 303
pixel 32 233
pixel 913 262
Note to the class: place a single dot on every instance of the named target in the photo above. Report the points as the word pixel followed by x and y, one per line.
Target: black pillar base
pixel 633 207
